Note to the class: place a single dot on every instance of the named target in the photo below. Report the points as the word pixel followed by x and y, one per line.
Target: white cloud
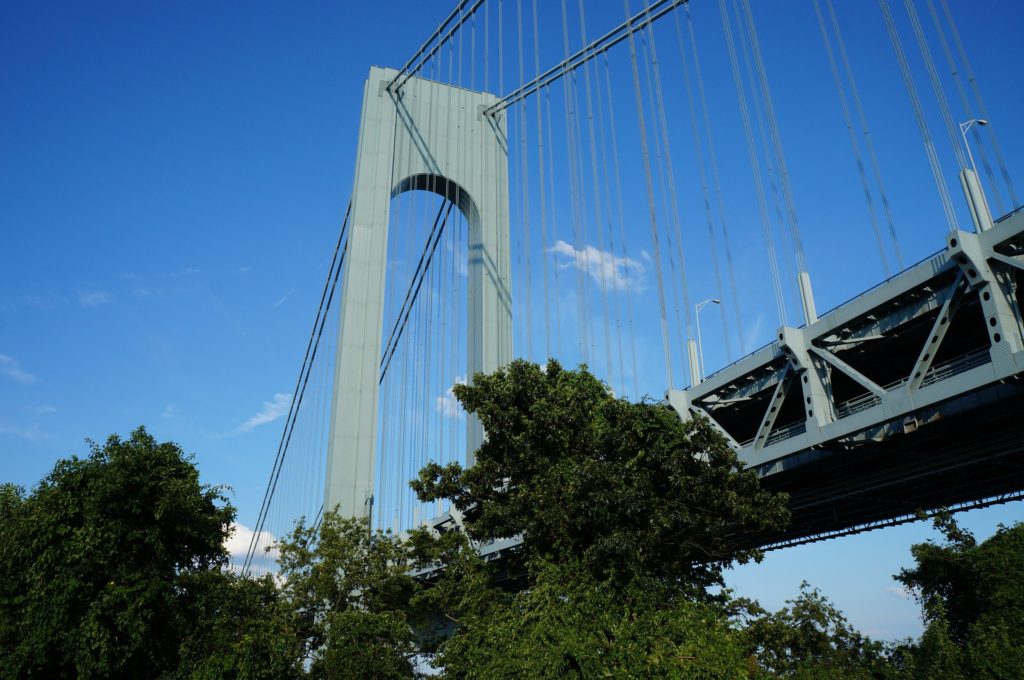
pixel 448 405
pixel 43 410
pixel 169 412
pixel 900 592
pixel 272 410
pixel 608 270
pixel 184 272
pixel 13 370
pixel 93 298
pixel 238 542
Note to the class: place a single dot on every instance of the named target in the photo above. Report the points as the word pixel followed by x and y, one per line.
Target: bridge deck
pixel 905 398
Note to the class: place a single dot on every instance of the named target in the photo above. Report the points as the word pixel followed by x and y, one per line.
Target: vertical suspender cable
pixel 868 142
pixel 622 220
pixel 662 119
pixel 623 286
pixel 965 102
pixel 754 165
pixel 603 269
pixel 699 151
pixel 717 180
pixel 554 217
pixel 766 146
pixel 543 198
pixel 981 103
pixel 524 189
pixel 853 136
pixel 773 128
pixel 580 255
pixel 922 124
pixel 933 75
pixel 649 182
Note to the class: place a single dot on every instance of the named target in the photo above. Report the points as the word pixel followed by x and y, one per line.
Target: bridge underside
pixel 908 398
pixel 969 454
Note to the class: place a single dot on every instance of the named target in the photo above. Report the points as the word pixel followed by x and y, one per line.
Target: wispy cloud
pixel 93 298
pixel 272 410
pixel 43 302
pixel 899 591
pixel 184 272
pixel 169 412
pixel 461 264
pixel 754 338
pixel 281 301
pixel 609 271
pixel 243 270
pixel 31 434
pixel 13 370
pixel 448 405
pixel 43 410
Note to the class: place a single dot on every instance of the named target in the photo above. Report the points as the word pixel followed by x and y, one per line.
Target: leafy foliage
pixel 569 626
pixel 114 566
pixel 350 590
pixel 623 488
pixel 243 628
pixel 98 561
pixel 810 638
pixel 972 596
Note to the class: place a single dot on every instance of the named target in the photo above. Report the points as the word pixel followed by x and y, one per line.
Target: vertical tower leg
pixel 430 137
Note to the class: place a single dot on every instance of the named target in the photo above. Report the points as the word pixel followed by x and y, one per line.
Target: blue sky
pixel 172 179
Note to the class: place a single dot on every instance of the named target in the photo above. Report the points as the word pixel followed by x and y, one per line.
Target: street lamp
pixel 964 127
pixel 700 347
pixel 971 183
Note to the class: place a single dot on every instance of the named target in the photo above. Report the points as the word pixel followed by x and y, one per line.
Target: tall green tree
pixel 972 598
pixel 811 639
pixel 350 589
pixel 97 563
pixel 619 488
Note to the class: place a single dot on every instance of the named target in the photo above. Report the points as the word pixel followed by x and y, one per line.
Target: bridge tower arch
pixel 427 136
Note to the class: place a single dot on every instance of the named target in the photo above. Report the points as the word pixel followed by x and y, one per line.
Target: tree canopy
pixel 114 566
pixel 98 560
pixel 350 590
pixel 972 598
pixel 621 488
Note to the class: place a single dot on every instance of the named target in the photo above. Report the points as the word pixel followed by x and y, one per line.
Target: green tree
pixel 243 628
pixel 811 639
pixel 350 590
pixel 619 488
pixel 972 597
pixel 98 563
pixel 566 625
pixel 627 516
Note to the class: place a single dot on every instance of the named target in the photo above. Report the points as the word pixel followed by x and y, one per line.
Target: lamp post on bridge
pixel 964 127
pixel 700 345
pixel 972 185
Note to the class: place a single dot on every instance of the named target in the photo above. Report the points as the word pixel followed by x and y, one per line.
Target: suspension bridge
pixel 582 180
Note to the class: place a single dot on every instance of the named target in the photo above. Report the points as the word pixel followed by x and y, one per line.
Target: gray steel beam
pixel 970 262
